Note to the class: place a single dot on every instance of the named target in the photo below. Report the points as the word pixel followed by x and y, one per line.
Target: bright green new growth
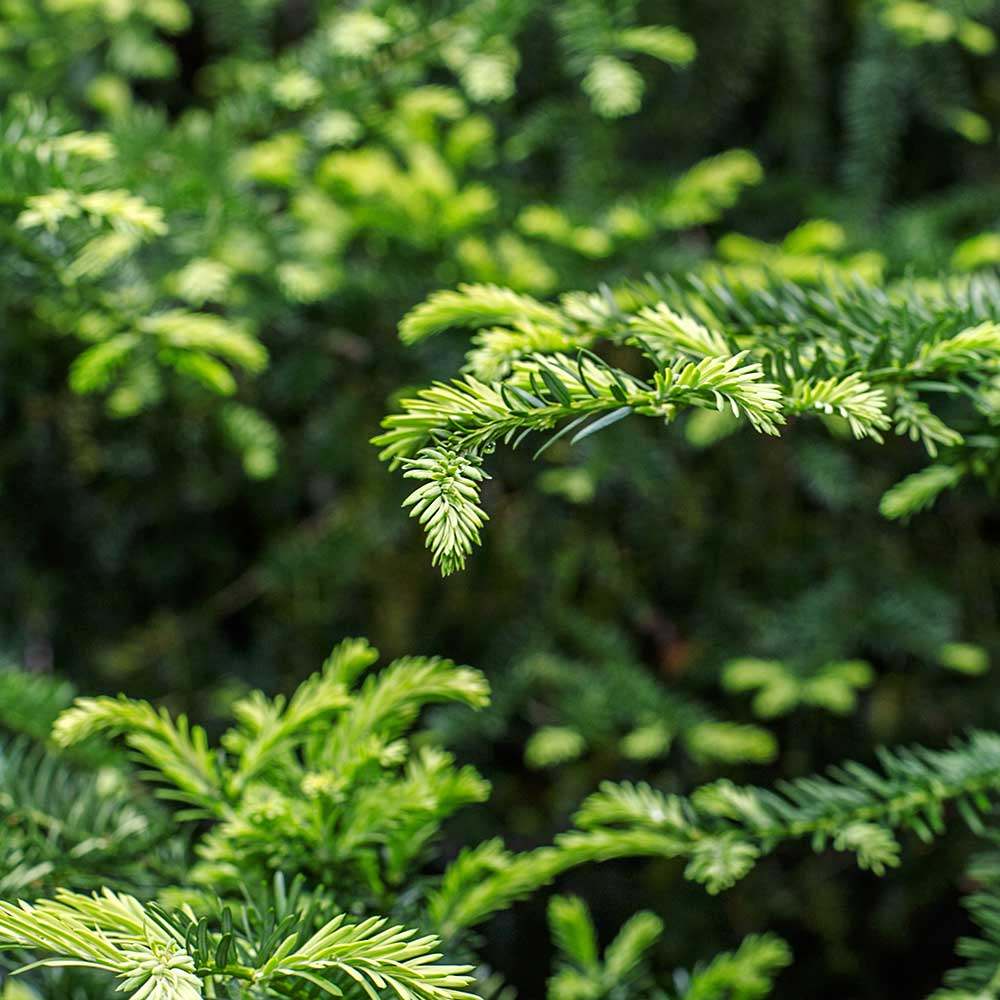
pixel 330 786
pixel 779 688
pixel 331 762
pixel 109 932
pixel 623 969
pixel 445 503
pixel 314 172
pixel 856 356
pixel 723 829
pixel 143 948
pixel 613 706
pixel 169 245
pixel 323 782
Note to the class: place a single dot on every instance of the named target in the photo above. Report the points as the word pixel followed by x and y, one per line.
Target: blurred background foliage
pixel 214 214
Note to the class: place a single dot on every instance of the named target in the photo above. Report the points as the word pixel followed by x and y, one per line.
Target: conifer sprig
pixel 333 762
pixel 857 354
pixel 143 948
pixel 724 828
pixel 326 781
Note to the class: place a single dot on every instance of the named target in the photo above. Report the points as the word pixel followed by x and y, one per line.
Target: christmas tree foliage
pixel 678 324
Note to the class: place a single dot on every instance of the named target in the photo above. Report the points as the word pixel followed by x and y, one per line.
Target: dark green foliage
pixel 73 829
pixel 213 216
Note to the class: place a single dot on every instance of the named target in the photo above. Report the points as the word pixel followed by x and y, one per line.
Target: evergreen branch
pixel 542 393
pixel 388 703
pixel 979 977
pixel 630 945
pixel 377 957
pixel 496 349
pixel 109 932
pixel 404 814
pixel 915 419
pixel 764 354
pixel 71 827
pixel 573 930
pixel 178 752
pixel 723 828
pixel 919 490
pixel 582 972
pixel 673 332
pixel 662 41
pixel 179 328
pixel 269 730
pixel 446 503
pixel 330 763
pixel 474 306
pixel 974 346
pixel 614 87
pixel 747 973
pixel 850 397
pixel 488 878
pixel 147 951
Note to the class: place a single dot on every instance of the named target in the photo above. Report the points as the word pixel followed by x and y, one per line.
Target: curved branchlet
pixel 723 829
pixel 859 357
pixel 162 955
pixel 327 783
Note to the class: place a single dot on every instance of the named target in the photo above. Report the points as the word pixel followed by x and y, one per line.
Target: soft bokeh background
pixel 213 216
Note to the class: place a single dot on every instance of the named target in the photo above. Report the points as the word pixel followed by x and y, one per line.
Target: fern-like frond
pixel 378 957
pixel 324 781
pixel 388 703
pixel 919 490
pixel 748 973
pixel 851 398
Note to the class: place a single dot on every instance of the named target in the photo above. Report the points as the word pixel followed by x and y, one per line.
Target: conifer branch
pixel 763 354
pixel 144 949
pixel 723 828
